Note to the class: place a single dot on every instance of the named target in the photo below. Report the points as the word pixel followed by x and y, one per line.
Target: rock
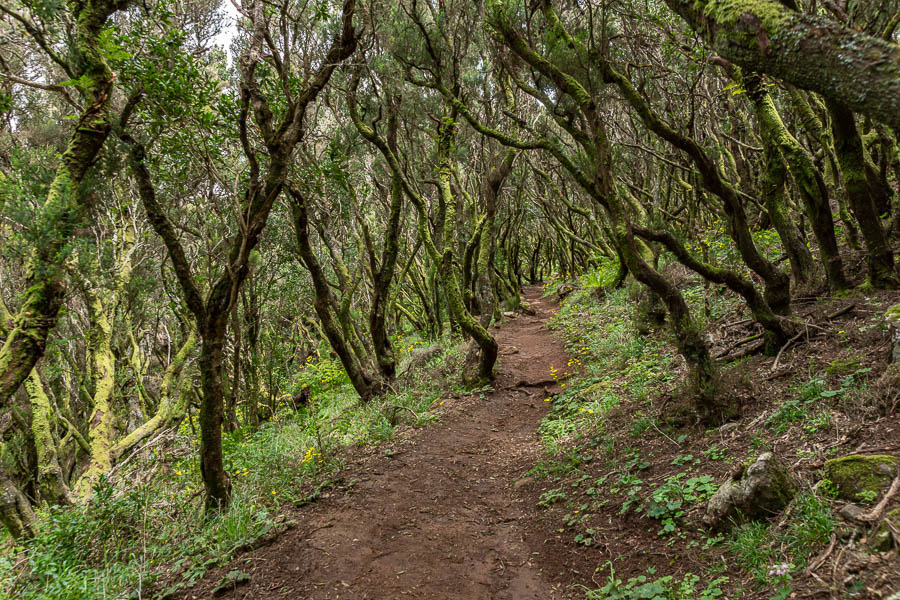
pixel 757 492
pixel 564 290
pixel 509 314
pixel 526 309
pixel 852 513
pixel 230 582
pixel 885 537
pixel 892 316
pixel 727 427
pixel 885 389
pixel 861 474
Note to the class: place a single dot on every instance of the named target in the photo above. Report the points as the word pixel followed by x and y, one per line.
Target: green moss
pixel 729 12
pixel 893 315
pixel 842 366
pixel 882 540
pixel 855 474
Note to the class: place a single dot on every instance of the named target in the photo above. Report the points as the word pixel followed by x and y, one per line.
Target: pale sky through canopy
pixel 229 26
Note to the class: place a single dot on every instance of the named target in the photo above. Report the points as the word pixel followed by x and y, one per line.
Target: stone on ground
pixel 758 492
pixel 857 476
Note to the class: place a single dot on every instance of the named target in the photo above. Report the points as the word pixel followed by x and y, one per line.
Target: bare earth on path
pixel 440 517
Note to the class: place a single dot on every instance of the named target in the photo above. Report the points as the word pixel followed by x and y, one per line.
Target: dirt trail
pixel 439 518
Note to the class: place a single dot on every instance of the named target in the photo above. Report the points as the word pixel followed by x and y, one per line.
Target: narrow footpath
pixel 440 514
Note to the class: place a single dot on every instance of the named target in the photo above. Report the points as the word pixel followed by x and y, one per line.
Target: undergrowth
pixel 611 457
pixel 143 533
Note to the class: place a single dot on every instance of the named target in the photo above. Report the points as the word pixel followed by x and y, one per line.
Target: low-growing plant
pixel 667 587
pixel 668 502
pixel 551 497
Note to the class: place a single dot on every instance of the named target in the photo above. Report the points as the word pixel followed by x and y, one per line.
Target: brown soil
pixel 438 515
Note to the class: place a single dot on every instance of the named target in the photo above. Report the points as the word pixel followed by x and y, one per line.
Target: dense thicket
pixel 186 226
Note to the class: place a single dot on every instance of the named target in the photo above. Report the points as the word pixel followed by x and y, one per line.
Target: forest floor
pixel 551 486
pixel 437 514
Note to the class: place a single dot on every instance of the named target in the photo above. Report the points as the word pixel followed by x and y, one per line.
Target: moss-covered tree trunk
pixel 798 254
pixel 806 177
pixel 102 307
pixel 487 243
pixel 15 510
pixel 326 306
pixel 817 131
pixel 51 480
pixel 440 246
pixel 444 259
pixel 857 70
pixel 64 205
pixel 174 394
pixel 865 194
pixel 383 273
pixel 382 276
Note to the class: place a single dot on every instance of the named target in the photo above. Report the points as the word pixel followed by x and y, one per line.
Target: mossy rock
pixel 892 316
pixel 861 474
pixel 883 538
pixel 842 366
pixel 756 492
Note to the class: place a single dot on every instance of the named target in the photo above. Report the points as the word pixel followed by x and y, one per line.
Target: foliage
pixel 669 501
pixel 135 531
pixel 770 555
pixel 667 587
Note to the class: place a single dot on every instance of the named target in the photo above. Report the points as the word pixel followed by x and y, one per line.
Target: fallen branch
pixel 779 374
pixel 735 323
pixel 739 343
pixel 783 348
pixel 875 514
pixel 745 352
pixel 840 312
pixel 411 411
pixel 822 557
pixel 540 383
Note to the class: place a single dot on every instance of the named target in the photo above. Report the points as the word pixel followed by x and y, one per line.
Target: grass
pixel 770 555
pixel 140 534
pixel 610 362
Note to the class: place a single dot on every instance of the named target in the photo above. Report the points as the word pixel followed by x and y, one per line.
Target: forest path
pixel 441 516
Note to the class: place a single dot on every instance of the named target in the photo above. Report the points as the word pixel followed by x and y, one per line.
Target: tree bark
pixel 64 206
pixel 864 194
pixel 806 177
pixel 15 510
pixel 325 304
pixel 860 71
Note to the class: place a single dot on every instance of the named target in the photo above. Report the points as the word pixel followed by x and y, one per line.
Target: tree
pixel 64 208
pixel 860 71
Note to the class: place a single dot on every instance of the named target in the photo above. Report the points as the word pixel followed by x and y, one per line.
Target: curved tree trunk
pixel 806 177
pixel 859 71
pixel 485 341
pixel 15 510
pixel 325 305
